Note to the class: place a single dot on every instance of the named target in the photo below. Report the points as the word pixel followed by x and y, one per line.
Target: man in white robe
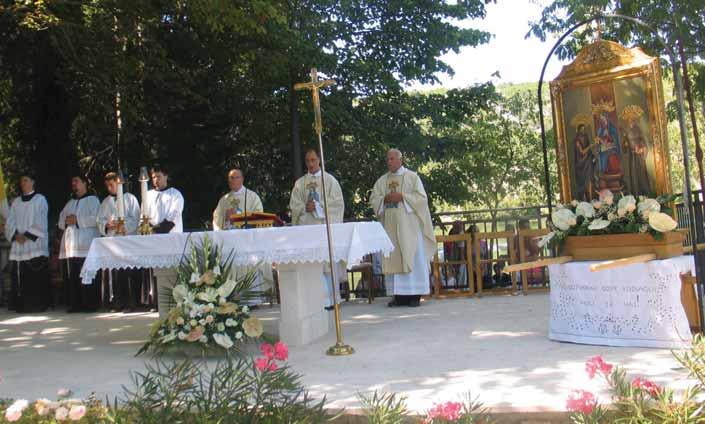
pixel 241 200
pixel 166 204
pixel 26 228
pixel 125 283
pixel 306 206
pixel 401 204
pixel 78 221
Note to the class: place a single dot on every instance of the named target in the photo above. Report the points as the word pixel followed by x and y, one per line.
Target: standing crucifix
pixel 314 85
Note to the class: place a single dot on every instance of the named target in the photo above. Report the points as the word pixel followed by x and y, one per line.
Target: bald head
pixel 235 179
pixel 394 161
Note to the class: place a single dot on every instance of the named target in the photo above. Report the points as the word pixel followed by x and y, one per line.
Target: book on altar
pixel 255 220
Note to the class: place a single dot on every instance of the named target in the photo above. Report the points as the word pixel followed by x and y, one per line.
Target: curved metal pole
pixel 688 198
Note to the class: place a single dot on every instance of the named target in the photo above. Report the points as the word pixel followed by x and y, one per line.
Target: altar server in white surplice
pixel 400 202
pixel 165 204
pixel 306 206
pixel 241 200
pixel 26 228
pixel 125 283
pixel 78 221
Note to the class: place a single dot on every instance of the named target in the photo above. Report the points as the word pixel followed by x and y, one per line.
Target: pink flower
pixel 581 401
pixel 272 367
pixel 648 386
pixel 597 364
pixel 449 411
pixel 61 414
pixel 281 351
pixel 267 350
pixel 77 412
pixel 13 414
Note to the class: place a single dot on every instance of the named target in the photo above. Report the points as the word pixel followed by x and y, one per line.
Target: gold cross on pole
pixel 314 85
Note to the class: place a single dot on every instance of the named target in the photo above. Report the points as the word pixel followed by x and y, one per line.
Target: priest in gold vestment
pixel 306 206
pixel 401 204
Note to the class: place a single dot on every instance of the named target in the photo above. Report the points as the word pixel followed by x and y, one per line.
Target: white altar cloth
pixel 637 305
pixel 300 254
pixel 280 245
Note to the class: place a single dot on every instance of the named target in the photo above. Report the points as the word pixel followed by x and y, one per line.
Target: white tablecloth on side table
pixel 637 305
pixel 299 252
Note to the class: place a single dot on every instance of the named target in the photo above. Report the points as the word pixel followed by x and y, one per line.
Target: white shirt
pixel 28 216
pixel 108 212
pixel 77 238
pixel 166 205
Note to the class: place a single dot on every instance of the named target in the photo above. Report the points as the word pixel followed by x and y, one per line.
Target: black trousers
pixel 126 288
pixel 30 288
pixel 79 297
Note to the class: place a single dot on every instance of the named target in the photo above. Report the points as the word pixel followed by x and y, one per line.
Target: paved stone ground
pixel 494 347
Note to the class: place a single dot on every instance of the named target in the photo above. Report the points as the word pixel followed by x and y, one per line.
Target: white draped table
pixel 299 252
pixel 637 305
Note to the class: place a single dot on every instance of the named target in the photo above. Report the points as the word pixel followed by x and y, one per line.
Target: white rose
pixel 202 321
pixel 661 222
pixel 223 340
pixel 648 206
pixel 203 339
pixel 209 319
pixel 563 219
pixel 238 335
pixel 628 203
pixel 574 203
pixel 606 197
pixel 193 323
pixel 585 209
pixel 230 322
pixel 598 224
pixel 245 309
pixel 182 335
pixel 220 327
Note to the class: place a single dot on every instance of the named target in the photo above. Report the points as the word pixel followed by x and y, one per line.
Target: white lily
pixel 599 224
pixel 223 340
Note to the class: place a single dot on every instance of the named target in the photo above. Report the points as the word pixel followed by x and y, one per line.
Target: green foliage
pixel 384 408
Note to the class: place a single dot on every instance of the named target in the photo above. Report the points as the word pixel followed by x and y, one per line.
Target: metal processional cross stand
pixel 340 348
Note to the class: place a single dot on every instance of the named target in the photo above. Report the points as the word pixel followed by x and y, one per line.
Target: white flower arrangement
pixel 207 311
pixel 611 214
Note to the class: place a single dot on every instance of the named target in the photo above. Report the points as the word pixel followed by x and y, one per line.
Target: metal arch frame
pixel 688 198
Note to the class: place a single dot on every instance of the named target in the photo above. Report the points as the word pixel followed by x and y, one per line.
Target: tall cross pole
pixel 340 348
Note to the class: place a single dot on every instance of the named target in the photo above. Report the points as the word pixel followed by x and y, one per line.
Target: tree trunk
pixel 50 127
pixel 693 118
pixel 296 154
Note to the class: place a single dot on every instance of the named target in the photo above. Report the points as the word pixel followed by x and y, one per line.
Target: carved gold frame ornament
pixel 605 61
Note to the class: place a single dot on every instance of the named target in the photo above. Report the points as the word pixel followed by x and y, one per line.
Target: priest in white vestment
pixel 78 221
pixel 125 283
pixel 241 200
pixel 306 206
pixel 401 204
pixel 165 204
pixel 26 228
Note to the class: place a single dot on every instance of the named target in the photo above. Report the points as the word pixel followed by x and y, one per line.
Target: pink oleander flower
pixel 581 401
pixel 61 414
pixel 12 415
pixel 449 411
pixel 267 350
pixel 281 351
pixel 648 386
pixel 597 364
pixel 77 412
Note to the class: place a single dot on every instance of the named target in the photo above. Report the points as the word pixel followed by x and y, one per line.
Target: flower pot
pixel 617 246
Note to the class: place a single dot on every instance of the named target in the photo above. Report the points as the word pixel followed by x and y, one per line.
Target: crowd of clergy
pixel 398 199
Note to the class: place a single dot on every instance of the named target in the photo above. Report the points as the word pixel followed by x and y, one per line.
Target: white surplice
pixel 108 212
pixel 235 202
pixel 28 215
pixel 166 205
pixel 77 238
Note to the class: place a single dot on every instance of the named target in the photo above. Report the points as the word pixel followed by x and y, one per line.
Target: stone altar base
pixel 495 347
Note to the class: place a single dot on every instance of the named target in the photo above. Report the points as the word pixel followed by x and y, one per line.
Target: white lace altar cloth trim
pixel 637 305
pixel 282 245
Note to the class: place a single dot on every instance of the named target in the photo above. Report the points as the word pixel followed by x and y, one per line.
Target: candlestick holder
pixel 120 229
pixel 145 226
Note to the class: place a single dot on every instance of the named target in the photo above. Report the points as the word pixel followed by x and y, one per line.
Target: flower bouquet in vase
pixel 208 311
pixel 614 227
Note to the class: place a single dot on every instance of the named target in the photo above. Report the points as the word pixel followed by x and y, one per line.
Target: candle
pixel 120 202
pixel 144 178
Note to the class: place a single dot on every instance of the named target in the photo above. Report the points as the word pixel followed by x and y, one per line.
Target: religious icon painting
pixel 610 123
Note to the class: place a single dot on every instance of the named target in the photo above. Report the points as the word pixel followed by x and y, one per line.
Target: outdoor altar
pixel 299 252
